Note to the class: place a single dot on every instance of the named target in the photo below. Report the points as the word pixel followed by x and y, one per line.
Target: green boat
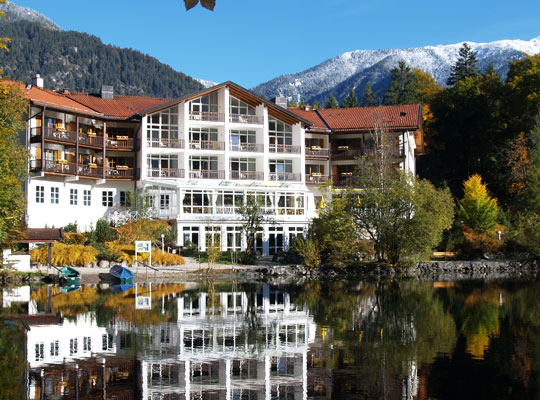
pixel 70 272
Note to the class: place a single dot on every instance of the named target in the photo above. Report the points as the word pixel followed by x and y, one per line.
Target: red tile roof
pixel 405 117
pixel 53 99
pixel 311 116
pixel 118 107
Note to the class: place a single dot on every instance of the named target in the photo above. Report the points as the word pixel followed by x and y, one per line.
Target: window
pixel 55 195
pixel 234 238
pixel 40 351
pixel 55 344
pixel 280 170
pixel 204 105
pixel 239 107
pixel 203 134
pixel 280 134
pixel 87 343
pixel 191 235
pixel 203 167
pixel 107 198
pixel 124 198
pixel 73 346
pixel 243 140
pixel 163 165
pixel 290 203
pixel 197 202
pixel 162 126
pixel 73 194
pixel 294 232
pixel 106 342
pixel 240 168
pixel 275 239
pixel 213 236
pixel 164 201
pixel 87 198
pixel 40 194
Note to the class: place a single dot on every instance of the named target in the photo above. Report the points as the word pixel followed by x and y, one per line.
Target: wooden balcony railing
pixel 120 173
pixel 207 116
pixel 166 143
pixel 66 168
pixel 120 143
pixel 313 152
pixel 284 148
pixel 207 174
pixel 315 179
pixel 247 147
pixel 165 173
pixel 247 175
pixel 284 176
pixel 246 119
pixel 206 145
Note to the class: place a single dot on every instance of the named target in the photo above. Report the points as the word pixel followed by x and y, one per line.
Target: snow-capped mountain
pixel 15 12
pixel 355 69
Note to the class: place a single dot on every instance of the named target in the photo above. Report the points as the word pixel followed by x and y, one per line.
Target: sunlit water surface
pixel 334 340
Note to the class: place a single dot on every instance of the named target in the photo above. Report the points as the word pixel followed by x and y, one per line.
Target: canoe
pixel 120 272
pixel 69 272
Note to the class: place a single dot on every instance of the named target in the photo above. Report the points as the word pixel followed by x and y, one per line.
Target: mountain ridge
pixel 354 69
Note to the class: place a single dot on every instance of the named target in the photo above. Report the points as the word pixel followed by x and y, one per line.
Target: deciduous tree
pixel 13 163
pixel 253 216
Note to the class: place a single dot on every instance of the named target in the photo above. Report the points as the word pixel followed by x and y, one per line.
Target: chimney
pixel 280 101
pixel 107 92
pixel 37 81
pixel 307 107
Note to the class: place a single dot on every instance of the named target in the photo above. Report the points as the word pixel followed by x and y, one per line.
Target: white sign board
pixel 142 246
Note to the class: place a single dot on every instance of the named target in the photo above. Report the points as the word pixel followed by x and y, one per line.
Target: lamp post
pixel 162 243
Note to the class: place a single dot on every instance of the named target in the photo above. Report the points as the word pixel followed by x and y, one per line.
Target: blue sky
pixel 252 41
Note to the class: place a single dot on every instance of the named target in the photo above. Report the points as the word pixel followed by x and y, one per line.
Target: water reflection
pixel 394 340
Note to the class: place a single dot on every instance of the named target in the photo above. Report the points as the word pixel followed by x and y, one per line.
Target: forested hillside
pixel 81 62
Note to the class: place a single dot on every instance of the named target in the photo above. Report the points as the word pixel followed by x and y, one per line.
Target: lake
pixel 229 340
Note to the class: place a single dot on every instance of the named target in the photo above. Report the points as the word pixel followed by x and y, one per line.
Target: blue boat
pixel 121 288
pixel 121 273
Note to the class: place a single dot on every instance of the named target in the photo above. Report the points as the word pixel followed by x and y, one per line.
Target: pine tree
pixel 403 87
pixel 464 67
pixel 477 210
pixel 331 102
pixel 351 100
pixel 369 98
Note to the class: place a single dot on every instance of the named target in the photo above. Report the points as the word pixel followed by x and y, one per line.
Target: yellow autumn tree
pixel 477 209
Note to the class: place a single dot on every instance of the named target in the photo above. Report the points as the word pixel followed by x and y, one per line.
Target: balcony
pixel 317 152
pixel 246 147
pixel 118 143
pixel 284 177
pixel 207 174
pixel 165 173
pixel 316 179
pixel 284 148
pixel 65 168
pixel 166 143
pixel 246 119
pixel 247 175
pixel 206 116
pixel 120 173
pixel 206 145
pixel 347 152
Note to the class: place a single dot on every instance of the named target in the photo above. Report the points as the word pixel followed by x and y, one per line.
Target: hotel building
pixel 195 159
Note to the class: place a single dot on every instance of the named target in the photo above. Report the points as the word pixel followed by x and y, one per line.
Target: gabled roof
pixel 240 93
pixel 318 124
pixel 120 106
pixel 402 117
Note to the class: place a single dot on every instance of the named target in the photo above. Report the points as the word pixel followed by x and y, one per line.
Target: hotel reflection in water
pixel 228 345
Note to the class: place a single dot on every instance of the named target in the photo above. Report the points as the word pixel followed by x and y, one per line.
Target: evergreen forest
pixel 82 63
